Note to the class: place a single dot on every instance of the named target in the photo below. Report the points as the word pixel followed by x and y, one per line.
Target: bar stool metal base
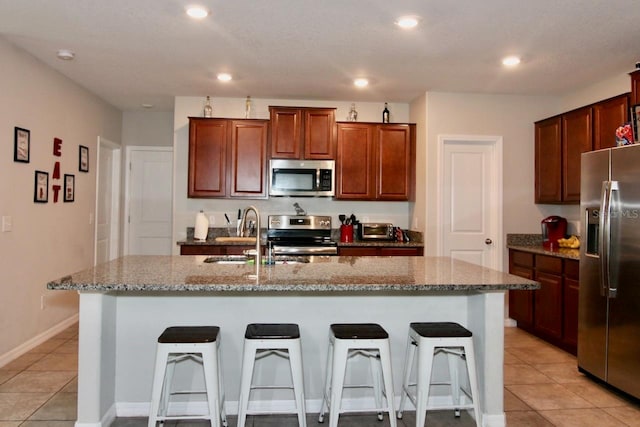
pixel 200 343
pixel 348 340
pixel 457 343
pixel 262 340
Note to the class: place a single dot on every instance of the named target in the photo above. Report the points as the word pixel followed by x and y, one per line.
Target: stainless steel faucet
pixel 258 249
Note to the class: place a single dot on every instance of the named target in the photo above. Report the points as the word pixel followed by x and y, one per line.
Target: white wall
pixel 185 209
pixel 512 118
pixel 53 239
pixel 149 128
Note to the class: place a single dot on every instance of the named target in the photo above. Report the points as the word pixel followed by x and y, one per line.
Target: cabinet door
pixel 355 163
pixel 576 139
pixel 202 250
pixel 521 302
pixel 396 251
pixel 358 251
pixel 207 157
pixel 248 158
pixel 548 161
pixel 319 133
pixel 394 162
pixel 548 305
pixel 571 293
pixel 608 116
pixel 635 88
pixel 286 132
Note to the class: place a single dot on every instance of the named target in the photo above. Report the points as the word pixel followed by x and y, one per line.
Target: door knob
pixel 488 241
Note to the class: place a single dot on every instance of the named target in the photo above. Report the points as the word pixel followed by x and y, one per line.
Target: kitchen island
pixel 125 305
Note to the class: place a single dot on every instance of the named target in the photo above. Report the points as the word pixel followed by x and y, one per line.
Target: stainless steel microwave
pixel 376 231
pixel 314 178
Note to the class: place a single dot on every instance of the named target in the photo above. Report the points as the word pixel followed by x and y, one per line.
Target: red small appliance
pixel 553 228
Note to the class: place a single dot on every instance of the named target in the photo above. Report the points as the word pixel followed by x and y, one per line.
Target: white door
pixel 107 201
pixel 150 175
pixel 471 190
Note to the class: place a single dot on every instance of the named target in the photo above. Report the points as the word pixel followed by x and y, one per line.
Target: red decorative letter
pixel 56 171
pixel 56 190
pixel 57 147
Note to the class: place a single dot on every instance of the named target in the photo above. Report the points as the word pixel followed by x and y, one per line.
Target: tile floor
pixel 542 389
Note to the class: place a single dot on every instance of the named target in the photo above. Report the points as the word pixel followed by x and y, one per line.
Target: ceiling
pixel 131 52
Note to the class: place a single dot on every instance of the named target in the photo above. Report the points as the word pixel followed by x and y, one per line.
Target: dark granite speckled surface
pixel 533 243
pixel 322 274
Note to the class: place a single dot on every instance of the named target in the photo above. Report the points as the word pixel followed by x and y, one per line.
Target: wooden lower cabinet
pixel 550 312
pixel 379 251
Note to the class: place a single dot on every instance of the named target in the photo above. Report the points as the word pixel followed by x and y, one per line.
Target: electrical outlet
pixel 41 302
pixel 7 224
pixel 212 219
pixel 365 219
pixel 90 218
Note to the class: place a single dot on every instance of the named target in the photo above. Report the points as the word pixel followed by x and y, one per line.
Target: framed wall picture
pixel 22 145
pixel 83 159
pixel 41 188
pixel 69 187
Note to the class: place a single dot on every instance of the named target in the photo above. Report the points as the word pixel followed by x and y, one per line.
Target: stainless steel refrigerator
pixel 609 301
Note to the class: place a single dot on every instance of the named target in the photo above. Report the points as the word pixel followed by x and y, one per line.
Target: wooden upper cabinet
pixel 227 158
pixel 375 161
pixel 286 132
pixel 355 165
pixel 608 116
pixel 303 133
pixel 576 139
pixel 207 157
pixel 319 133
pixel 548 161
pixel 635 87
pixel 394 162
pixel 248 158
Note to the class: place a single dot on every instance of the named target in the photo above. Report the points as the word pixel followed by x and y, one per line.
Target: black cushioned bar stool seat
pixel 358 331
pixel 272 331
pixel 440 330
pixel 189 334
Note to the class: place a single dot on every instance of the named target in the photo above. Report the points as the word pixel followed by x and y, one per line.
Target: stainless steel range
pixel 300 235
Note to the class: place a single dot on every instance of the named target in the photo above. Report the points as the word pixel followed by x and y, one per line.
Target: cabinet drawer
pixel 523 259
pixel 549 264
pixel 572 269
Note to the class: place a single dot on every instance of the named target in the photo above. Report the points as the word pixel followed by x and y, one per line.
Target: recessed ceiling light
pixel 147 106
pixel 511 61
pixel 197 12
pixel 66 54
pixel 407 22
pixel 224 77
pixel 361 82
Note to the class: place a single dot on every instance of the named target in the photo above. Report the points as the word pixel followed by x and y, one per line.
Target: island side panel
pixel 96 360
pixel 486 314
pixel 143 316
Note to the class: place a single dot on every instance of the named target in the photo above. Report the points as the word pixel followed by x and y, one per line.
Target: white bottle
pixel 202 227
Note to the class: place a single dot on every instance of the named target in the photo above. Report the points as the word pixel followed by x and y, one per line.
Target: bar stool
pixel 200 343
pixel 432 338
pixel 345 341
pixel 264 339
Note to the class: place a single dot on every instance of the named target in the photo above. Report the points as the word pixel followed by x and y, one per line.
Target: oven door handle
pixel 304 250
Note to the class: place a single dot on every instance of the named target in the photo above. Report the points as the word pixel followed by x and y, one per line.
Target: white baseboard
pixel 106 420
pixel 494 420
pixel 510 323
pixel 37 340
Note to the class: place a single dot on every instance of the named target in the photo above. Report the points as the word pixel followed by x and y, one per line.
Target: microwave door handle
pixel 318 173
pixel 603 238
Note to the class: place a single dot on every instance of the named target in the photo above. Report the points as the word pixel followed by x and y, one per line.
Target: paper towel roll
pixel 202 227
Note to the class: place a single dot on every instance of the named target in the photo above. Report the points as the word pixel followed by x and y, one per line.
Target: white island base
pixel 118 333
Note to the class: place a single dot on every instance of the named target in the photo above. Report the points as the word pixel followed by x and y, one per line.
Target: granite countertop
pixel 414 236
pixel 533 243
pixel 322 274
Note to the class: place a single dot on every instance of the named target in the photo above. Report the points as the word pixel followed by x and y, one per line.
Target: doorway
pixel 107 226
pixel 470 199
pixel 148 201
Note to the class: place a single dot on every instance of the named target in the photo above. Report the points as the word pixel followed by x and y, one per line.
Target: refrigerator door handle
pixel 612 250
pixel 603 239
